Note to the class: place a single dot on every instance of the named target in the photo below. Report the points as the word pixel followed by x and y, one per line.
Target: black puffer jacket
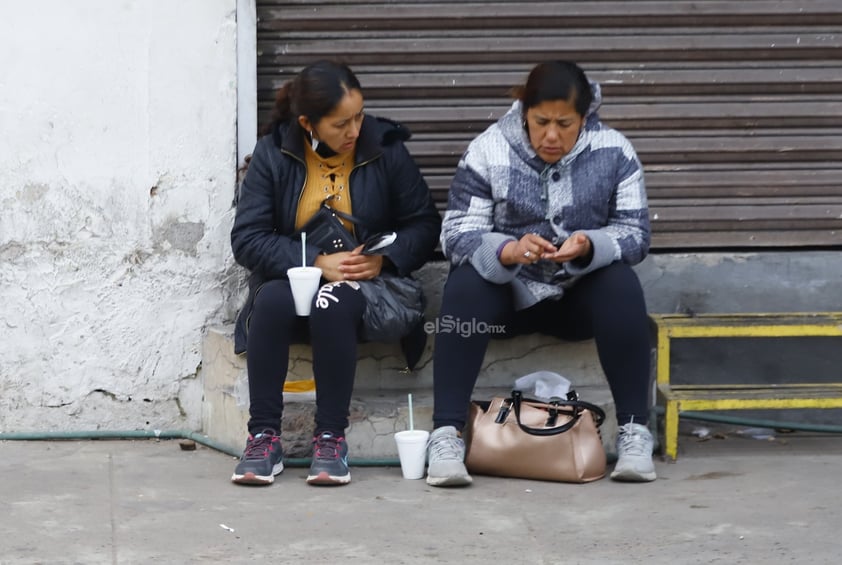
pixel 388 193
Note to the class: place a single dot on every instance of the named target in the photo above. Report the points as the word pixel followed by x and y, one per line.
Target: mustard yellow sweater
pixel 326 177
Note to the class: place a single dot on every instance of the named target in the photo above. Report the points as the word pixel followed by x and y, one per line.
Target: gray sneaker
pixel 446 456
pixel 634 454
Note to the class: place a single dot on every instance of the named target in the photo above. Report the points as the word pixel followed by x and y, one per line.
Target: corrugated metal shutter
pixel 734 107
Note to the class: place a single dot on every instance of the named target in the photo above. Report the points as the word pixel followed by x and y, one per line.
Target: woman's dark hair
pixel 314 92
pixel 556 80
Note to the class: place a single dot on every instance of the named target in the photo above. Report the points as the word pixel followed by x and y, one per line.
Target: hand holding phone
pixel 375 245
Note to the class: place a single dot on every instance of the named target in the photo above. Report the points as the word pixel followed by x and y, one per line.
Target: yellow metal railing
pixel 700 397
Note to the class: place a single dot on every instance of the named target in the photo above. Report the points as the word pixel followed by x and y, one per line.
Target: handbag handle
pixel 343 215
pixel 572 402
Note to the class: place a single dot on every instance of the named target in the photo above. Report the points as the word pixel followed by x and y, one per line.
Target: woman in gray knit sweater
pixel 546 214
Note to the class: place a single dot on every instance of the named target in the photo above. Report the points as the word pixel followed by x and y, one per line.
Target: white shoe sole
pixel 632 476
pixel 449 481
pixel 325 479
pixel 252 479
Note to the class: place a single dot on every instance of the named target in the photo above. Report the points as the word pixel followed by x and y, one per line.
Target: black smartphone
pixel 376 244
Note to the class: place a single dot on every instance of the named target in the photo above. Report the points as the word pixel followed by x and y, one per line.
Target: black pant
pixel 607 305
pixel 331 328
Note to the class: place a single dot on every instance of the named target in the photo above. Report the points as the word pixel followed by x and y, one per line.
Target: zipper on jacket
pixel 363 163
pixel 545 192
pixel 354 168
pixel 300 190
pixel 544 176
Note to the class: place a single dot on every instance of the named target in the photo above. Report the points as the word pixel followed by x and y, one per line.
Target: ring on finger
pixel 528 254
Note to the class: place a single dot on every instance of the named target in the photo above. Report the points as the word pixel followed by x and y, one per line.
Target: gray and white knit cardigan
pixel 503 190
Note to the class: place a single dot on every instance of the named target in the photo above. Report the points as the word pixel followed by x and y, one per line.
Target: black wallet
pixel 325 230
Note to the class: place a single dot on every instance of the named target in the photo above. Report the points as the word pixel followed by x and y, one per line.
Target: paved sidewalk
pixel 733 500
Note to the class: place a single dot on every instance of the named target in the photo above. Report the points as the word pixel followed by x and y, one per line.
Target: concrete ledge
pixel 378 407
pixel 695 282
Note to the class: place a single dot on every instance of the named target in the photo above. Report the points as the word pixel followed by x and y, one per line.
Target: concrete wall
pixel 117 168
pixel 762 281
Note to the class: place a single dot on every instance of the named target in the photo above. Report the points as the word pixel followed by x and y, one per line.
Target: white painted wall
pixel 118 149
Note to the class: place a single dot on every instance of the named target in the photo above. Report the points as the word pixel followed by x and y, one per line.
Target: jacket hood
pixel 513 130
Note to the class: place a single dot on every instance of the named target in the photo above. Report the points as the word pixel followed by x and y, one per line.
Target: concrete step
pixel 379 405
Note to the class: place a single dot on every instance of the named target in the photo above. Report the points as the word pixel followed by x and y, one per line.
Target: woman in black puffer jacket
pixel 321 146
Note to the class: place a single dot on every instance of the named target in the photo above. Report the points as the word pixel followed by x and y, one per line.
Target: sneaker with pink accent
pixel 330 461
pixel 262 459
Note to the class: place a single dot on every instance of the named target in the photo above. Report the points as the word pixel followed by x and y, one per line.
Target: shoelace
pixel 631 442
pixel 446 447
pixel 259 446
pixel 327 447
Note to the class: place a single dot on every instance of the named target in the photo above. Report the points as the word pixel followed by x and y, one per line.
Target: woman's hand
pixel 330 265
pixel 527 250
pixel 349 265
pixel 576 246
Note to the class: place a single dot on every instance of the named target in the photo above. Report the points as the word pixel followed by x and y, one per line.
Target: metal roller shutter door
pixel 734 107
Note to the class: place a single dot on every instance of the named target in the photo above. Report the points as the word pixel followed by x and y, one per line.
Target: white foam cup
pixel 304 282
pixel 412 451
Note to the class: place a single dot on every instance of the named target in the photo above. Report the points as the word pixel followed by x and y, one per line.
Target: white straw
pixel 303 249
pixel 409 401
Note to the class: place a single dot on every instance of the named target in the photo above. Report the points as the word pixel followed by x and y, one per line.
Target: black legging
pixel 332 331
pixel 606 304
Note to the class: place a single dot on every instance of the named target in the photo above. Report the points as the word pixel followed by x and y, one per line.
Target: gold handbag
pixel 552 441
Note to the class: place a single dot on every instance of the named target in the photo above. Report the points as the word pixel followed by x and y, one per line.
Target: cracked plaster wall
pixel 117 168
pixel 116 177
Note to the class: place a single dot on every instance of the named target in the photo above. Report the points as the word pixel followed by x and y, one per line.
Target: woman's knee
pixel 274 301
pixel 465 288
pixel 337 301
pixel 615 282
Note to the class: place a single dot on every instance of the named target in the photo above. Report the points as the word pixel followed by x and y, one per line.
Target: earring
pixel 314 143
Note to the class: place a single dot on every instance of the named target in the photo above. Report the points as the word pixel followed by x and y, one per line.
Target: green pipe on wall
pixel 171 434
